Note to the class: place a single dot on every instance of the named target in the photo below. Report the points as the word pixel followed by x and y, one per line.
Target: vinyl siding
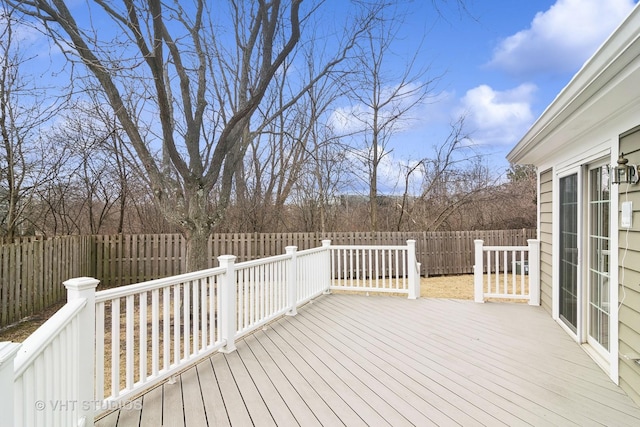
pixel 546 238
pixel 629 286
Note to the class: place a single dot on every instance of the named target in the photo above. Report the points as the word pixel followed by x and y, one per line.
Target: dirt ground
pixel 458 287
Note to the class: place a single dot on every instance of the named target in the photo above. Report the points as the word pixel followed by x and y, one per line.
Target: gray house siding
pixel 629 290
pixel 546 238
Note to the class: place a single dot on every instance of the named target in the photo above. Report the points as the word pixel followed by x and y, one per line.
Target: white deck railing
pixel 375 269
pixel 104 348
pixel 507 272
pixel 50 368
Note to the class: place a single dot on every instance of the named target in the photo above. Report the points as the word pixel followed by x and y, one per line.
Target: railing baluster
pixel 497 257
pixel 115 347
pixel 344 268
pixel 505 267
pixel 513 273
pixel 155 331
pixel 176 325
pixel 350 268
pixel 204 321
pixel 384 268
pixel 186 320
pixel 377 258
pixel 397 269
pixel 522 273
pixel 166 327
pixel 405 272
pixel 370 267
pixel 142 343
pixel 249 297
pixel 99 351
pixel 195 316
pixel 488 272
pixel 214 328
pixel 129 344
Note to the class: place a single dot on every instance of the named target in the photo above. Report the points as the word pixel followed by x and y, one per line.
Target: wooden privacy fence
pixel 122 260
pixel 32 271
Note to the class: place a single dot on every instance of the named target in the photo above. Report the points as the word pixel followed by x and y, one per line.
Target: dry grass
pixel 20 331
pixel 456 287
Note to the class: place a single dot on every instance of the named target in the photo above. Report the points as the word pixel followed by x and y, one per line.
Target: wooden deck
pixel 356 360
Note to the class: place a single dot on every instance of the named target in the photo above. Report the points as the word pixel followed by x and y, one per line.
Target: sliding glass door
pixel 598 275
pixel 569 251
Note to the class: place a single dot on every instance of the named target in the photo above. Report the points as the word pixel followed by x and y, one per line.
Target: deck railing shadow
pixel 102 349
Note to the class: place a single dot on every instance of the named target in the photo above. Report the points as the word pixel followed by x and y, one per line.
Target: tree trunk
pixel 197 246
pixel 197 232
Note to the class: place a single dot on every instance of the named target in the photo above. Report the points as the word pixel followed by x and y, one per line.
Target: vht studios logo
pixel 85 405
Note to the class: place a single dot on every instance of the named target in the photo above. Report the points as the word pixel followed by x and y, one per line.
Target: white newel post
pixel 414 279
pixel 8 352
pixel 85 288
pixel 534 271
pixel 292 280
pixel 478 291
pixel 326 244
pixel 228 294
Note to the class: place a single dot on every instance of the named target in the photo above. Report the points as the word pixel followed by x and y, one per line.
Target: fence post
pixel 292 281
pixel 414 277
pixel 534 271
pixel 8 352
pixel 478 291
pixel 85 288
pixel 327 265
pixel 228 295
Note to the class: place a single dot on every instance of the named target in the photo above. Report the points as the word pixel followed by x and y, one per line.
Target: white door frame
pixel 610 364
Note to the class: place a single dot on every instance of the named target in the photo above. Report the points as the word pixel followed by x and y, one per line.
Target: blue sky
pixel 504 62
pixel 501 63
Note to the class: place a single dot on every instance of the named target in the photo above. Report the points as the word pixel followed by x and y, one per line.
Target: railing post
pixel 8 352
pixel 85 288
pixel 228 296
pixel 414 278
pixel 327 264
pixel 534 271
pixel 478 291
pixel 292 281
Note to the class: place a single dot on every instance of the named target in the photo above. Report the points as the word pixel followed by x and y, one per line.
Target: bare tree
pixel 23 167
pixel 195 82
pixel 450 178
pixel 383 99
pixel 96 166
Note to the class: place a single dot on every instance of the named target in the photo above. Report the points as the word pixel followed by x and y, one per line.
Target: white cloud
pixel 562 38
pixel 498 117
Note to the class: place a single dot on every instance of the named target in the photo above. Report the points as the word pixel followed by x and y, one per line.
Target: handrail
pixel 503 248
pixel 360 247
pixel 123 291
pixel 262 261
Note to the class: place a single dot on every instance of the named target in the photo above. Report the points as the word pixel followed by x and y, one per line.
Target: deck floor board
pixel 380 360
